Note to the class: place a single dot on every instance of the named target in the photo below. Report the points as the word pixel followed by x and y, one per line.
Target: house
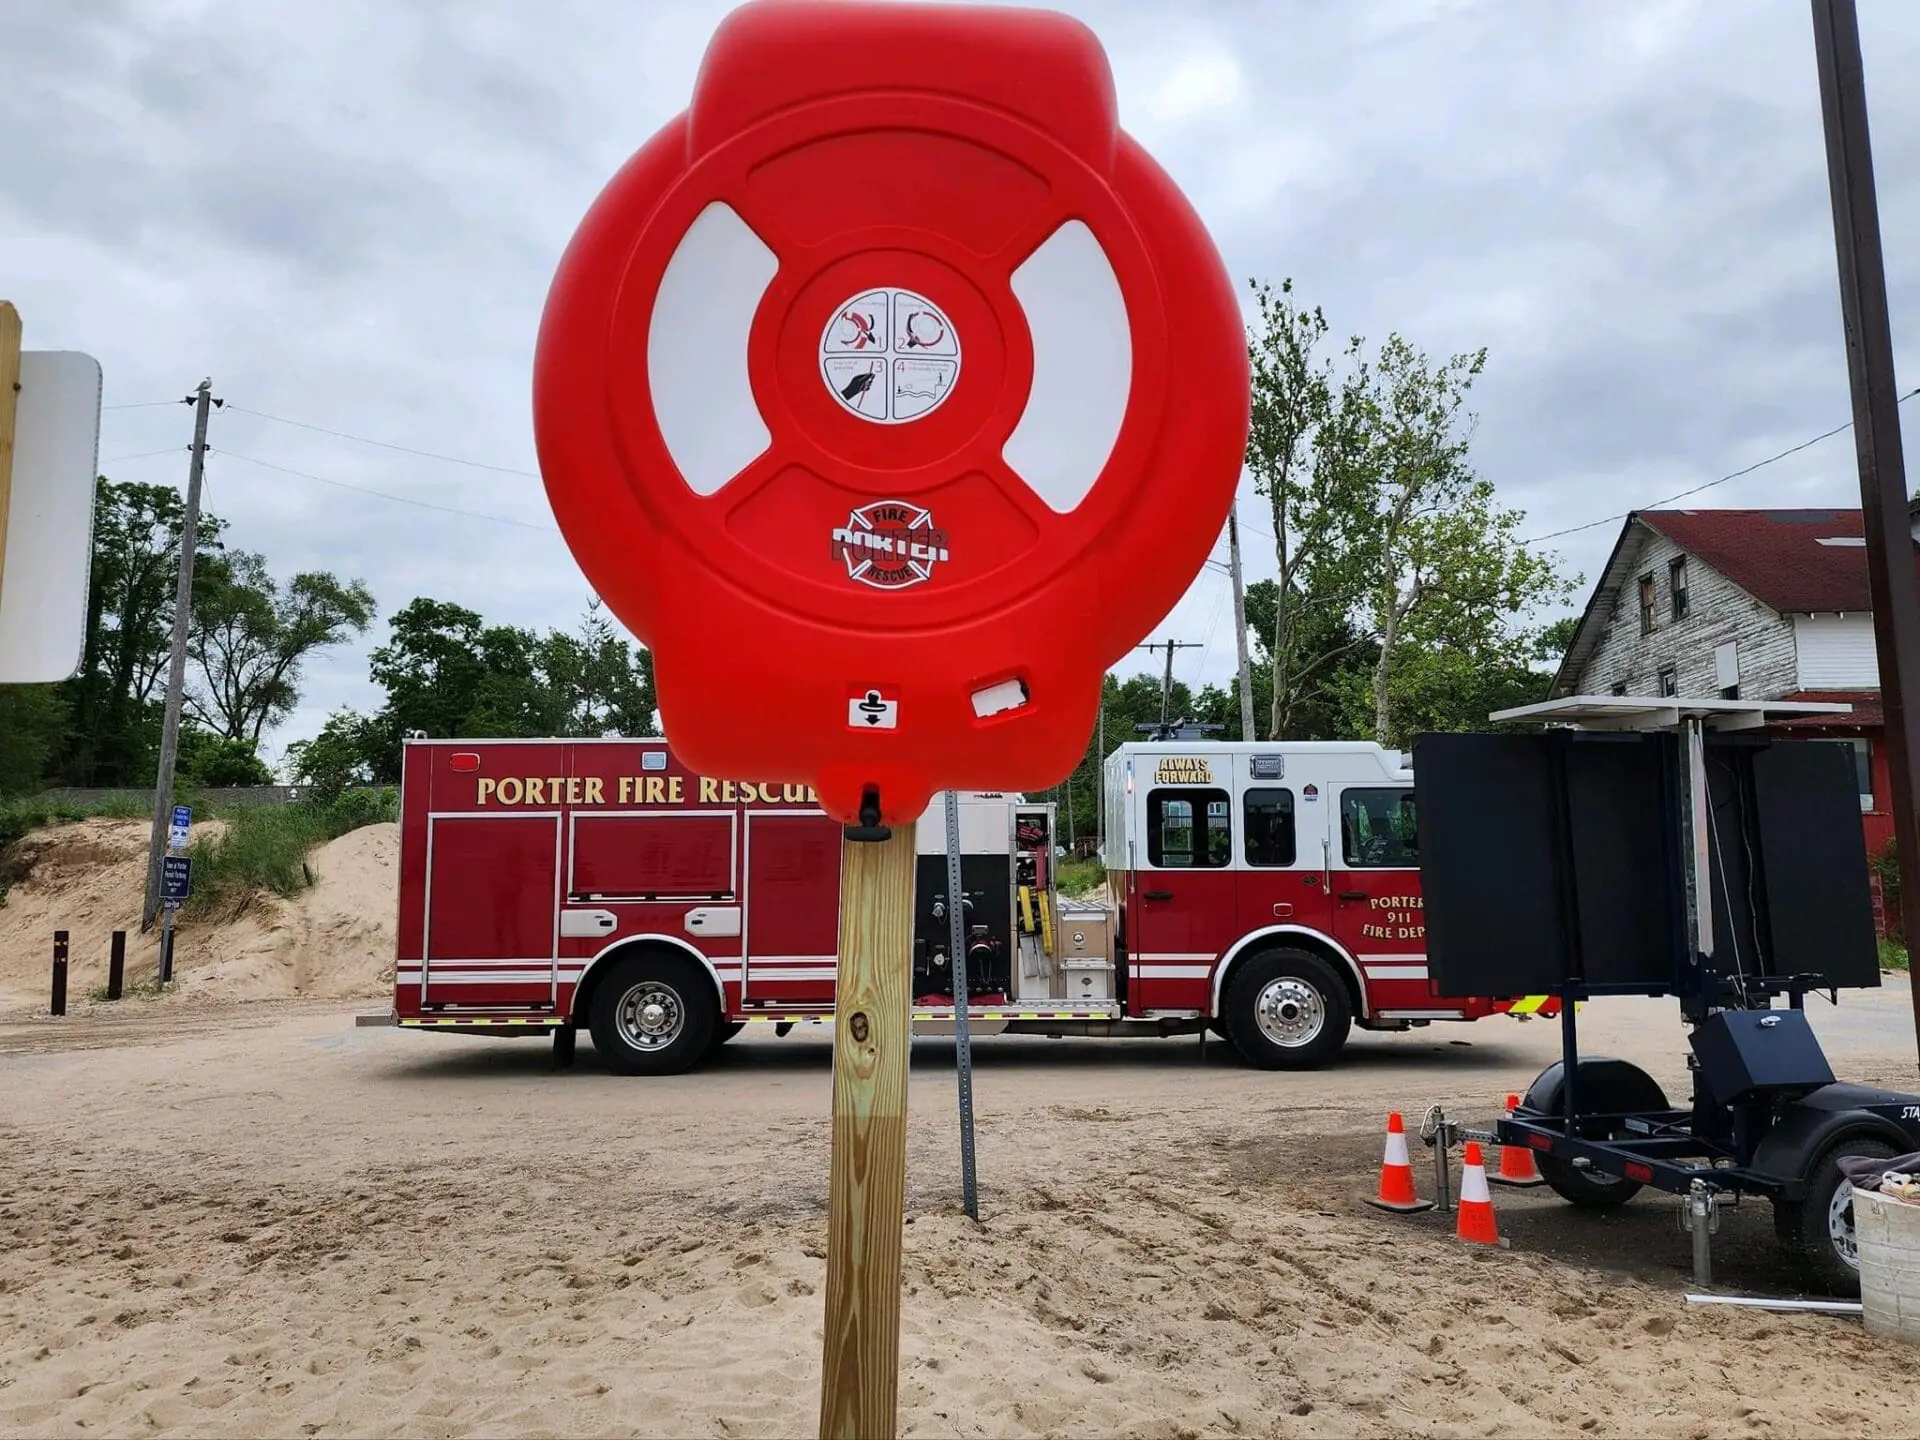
pixel 1742 604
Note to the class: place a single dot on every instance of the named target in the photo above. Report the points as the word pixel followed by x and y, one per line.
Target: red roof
pixel 1865 715
pixel 1777 556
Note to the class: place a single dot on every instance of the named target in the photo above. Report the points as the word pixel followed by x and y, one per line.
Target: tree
pixel 32 722
pixel 1442 561
pixel 347 752
pixel 113 727
pixel 250 638
pixel 219 761
pixel 1306 446
pixel 604 683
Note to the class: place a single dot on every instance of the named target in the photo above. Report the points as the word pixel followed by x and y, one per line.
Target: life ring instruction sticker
pixel 890 356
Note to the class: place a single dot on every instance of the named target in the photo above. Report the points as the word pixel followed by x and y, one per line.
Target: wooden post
pixel 117 966
pixel 9 406
pixel 59 1005
pixel 866 1195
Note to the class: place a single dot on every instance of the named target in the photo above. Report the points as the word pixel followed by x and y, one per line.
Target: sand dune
pixel 334 940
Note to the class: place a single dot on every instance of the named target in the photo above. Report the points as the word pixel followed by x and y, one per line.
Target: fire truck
pixel 1269 894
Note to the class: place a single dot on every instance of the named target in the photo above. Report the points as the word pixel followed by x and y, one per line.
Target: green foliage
pixel 265 847
pixel 250 636
pixel 33 721
pixel 1080 877
pixel 1893 955
pixel 341 755
pixel 1886 869
pixel 210 761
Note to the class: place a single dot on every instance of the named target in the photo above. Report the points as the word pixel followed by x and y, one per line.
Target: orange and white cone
pixel 1476 1201
pixel 1396 1173
pixel 1516 1161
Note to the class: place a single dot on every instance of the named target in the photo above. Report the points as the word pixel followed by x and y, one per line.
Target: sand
pixel 262 1220
pixel 334 939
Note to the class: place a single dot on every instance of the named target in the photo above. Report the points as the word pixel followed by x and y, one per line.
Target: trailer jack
pixel 1699 1213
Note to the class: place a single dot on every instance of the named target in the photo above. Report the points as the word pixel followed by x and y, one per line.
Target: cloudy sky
pixel 348 214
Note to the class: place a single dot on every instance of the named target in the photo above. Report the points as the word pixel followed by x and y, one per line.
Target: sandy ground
pixel 87 878
pixel 261 1220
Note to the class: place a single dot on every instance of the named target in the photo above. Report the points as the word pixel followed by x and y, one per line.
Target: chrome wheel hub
pixel 1840 1225
pixel 1290 1012
pixel 651 1016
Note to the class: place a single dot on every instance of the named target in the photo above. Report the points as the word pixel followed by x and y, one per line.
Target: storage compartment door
pixel 793 908
pixel 493 901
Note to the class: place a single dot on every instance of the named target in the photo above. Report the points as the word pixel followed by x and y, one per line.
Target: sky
pixel 347 215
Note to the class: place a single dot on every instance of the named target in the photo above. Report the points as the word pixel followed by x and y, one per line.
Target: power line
pixel 384 495
pixel 146 404
pixel 1748 470
pixel 387 445
pixel 143 455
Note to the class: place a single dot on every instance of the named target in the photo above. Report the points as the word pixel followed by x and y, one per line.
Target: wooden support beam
pixel 9 406
pixel 866 1196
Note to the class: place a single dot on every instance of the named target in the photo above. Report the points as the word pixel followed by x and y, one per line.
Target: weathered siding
pixel 1718 611
pixel 1836 652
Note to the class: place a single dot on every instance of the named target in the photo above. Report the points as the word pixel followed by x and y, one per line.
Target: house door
pixel 493 905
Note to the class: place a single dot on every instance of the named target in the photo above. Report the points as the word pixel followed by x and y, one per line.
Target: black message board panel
pixel 1621 834
pixel 1488 864
pixel 1818 905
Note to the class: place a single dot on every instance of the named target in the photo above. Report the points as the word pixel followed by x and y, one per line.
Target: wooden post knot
pixel 858 1027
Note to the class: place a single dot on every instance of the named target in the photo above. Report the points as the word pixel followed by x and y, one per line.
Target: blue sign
pixel 182 816
pixel 176 880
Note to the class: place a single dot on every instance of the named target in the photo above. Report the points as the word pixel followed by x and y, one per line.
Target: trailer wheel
pixel 653 1015
pixel 1607 1087
pixel 1818 1231
pixel 1286 1010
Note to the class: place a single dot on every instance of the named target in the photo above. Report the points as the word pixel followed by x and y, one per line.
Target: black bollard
pixel 59 1006
pixel 117 965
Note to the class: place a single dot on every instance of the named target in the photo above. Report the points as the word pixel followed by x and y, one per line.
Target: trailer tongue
pixel 1665 846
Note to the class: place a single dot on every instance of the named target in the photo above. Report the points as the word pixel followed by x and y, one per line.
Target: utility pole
pixel 201 399
pixel 1166 684
pixel 1240 622
pixel 1876 427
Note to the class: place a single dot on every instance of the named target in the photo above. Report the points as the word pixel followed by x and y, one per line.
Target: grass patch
pixel 149 989
pixel 1893 955
pixel 1080 877
pixel 265 847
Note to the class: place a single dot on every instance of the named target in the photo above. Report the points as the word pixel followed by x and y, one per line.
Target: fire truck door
pixel 493 905
pixel 793 908
pixel 1378 912
pixel 1183 914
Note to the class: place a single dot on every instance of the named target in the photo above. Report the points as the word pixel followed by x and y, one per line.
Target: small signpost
pixel 176 884
pixel 925 455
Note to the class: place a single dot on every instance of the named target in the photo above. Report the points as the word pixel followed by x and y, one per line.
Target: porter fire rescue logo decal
pixel 889 544
pixel 890 356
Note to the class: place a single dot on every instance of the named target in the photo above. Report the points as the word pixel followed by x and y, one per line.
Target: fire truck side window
pixel 1378 830
pixel 1269 828
pixel 1189 829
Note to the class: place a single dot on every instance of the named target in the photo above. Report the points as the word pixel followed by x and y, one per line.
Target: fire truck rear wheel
pixel 653 1015
pixel 1286 1010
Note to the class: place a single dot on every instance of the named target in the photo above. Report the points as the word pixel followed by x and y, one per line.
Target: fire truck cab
pixel 1270 894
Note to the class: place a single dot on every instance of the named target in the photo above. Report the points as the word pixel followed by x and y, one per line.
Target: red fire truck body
pixel 1269 893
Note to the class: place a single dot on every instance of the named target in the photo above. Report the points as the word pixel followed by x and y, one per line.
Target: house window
pixel 1726 669
pixel 1863 770
pixel 1677 586
pixel 1646 604
pixel 1669 682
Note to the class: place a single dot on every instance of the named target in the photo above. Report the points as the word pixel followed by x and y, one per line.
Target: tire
pixel 653 1015
pixel 1589 1189
pixel 1818 1231
pixel 1286 1010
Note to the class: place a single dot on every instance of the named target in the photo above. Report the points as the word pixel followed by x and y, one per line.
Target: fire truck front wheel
pixel 1286 1010
pixel 653 1015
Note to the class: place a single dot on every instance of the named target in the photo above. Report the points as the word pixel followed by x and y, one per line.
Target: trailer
pixel 1667 846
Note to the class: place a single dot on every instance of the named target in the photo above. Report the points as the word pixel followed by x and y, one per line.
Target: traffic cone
pixel 1396 1173
pixel 1476 1201
pixel 1516 1161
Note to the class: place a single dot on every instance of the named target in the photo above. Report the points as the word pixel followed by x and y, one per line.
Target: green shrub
pixel 1080 877
pixel 1886 868
pixel 265 847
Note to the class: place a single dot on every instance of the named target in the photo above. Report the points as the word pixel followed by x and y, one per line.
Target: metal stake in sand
pixel 58 1005
pixel 962 1000
pixel 866 1189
